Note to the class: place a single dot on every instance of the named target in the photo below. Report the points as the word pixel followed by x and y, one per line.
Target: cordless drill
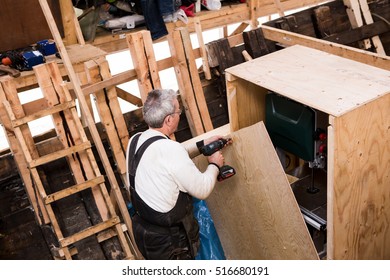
pixel 225 171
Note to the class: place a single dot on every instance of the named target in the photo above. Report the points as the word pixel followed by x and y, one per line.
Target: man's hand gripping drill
pixel 212 149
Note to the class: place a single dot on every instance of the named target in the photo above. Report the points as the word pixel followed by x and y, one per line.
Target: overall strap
pixel 135 157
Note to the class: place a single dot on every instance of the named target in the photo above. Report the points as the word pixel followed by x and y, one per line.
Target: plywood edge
pixel 330 190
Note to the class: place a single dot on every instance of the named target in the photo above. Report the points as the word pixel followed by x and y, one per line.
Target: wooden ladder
pixel 89 121
pixel 76 149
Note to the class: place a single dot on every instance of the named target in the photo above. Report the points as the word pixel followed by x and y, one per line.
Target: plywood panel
pixel 22 23
pixel 255 212
pixel 361 186
pixel 323 81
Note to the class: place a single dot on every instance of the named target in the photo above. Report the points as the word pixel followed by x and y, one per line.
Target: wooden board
pixel 289 38
pixel 255 212
pixel 360 213
pixel 22 23
pixel 348 84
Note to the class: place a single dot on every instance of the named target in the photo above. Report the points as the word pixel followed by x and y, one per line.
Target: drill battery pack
pixel 225 172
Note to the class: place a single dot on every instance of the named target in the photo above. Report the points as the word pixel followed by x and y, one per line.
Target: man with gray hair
pixel 163 179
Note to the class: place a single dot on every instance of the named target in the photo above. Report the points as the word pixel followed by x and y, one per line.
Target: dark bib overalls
pixel 164 236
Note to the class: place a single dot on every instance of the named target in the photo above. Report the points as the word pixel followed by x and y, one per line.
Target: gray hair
pixel 158 105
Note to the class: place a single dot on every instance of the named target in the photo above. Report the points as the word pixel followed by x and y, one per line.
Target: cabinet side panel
pixel 361 186
pixel 246 103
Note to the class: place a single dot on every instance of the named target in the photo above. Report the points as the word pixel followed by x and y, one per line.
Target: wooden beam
pixel 279 8
pixel 67 13
pixel 253 4
pixel 290 38
pixel 356 20
pixel 142 54
pixel 202 48
pixel 195 80
pixel 93 72
pixel 368 19
pixel 239 29
pixel 183 78
pixel 113 103
pixel 135 100
pixel 359 33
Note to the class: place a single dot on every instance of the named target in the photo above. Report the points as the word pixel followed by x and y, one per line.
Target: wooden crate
pixel 356 99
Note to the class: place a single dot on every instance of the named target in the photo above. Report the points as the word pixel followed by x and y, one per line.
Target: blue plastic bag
pixel 210 245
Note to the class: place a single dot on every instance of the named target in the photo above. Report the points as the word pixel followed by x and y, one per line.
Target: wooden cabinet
pixel 356 99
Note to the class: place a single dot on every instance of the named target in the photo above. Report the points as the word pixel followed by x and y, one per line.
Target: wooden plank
pixel 81 53
pixel 195 81
pixel 140 62
pixel 279 8
pixel 73 189
pixel 290 38
pixel 278 71
pixel 202 48
pixel 252 12
pixel 242 95
pixel 151 58
pixel 255 212
pixel 182 77
pixel 368 19
pixel 68 23
pixel 359 33
pixel 113 104
pixel 127 96
pixel 227 15
pixel 330 193
pixel 106 117
pixel 43 113
pixel 91 124
pixel 120 78
pixel 356 19
pixel 59 154
pixel 239 29
pixel 88 232
pixel 360 210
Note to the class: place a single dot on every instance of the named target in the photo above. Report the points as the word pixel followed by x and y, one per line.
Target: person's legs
pixel 167 7
pixel 153 18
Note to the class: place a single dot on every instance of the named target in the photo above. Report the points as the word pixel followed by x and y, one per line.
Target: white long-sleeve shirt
pixel 165 169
